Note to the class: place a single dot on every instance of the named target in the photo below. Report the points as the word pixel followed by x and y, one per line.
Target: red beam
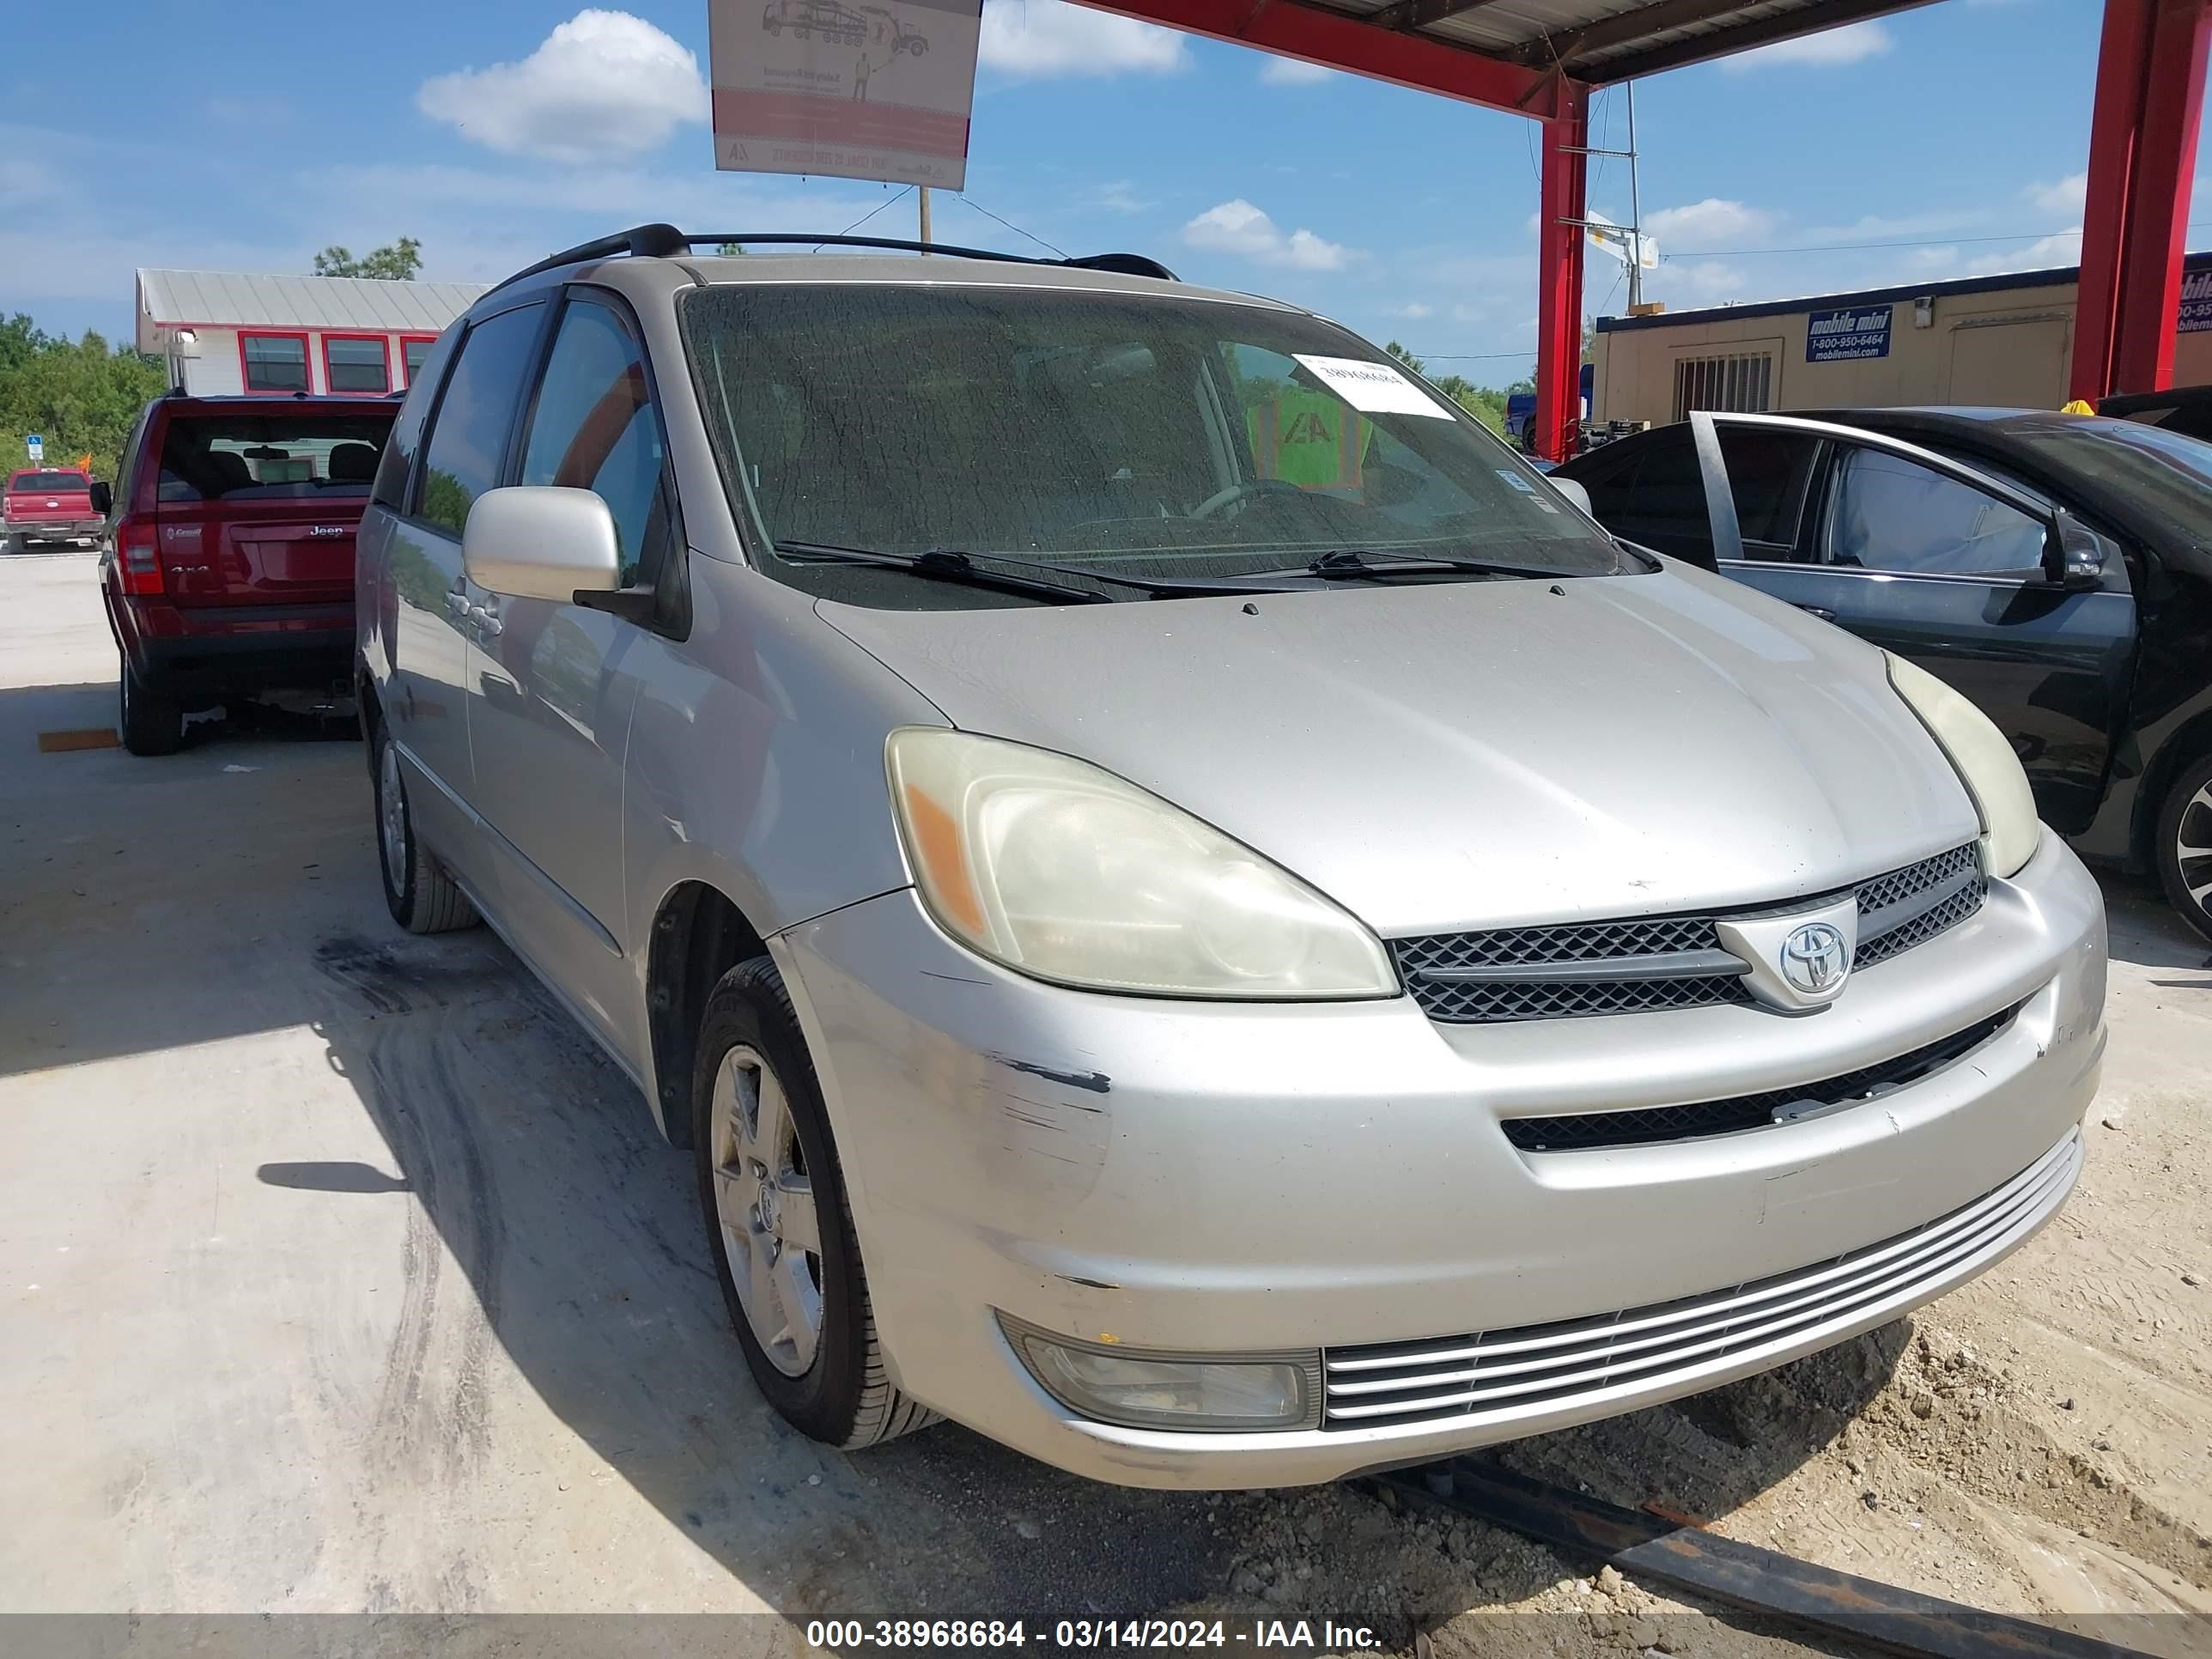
pixel 2158 200
pixel 1557 424
pixel 2115 125
pixel 1337 41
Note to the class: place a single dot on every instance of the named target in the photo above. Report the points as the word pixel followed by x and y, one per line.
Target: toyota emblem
pixel 1815 959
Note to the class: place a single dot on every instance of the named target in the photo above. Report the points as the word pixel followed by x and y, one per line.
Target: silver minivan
pixel 1194 915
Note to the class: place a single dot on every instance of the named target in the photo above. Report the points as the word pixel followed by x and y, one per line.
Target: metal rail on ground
pixel 1687 1558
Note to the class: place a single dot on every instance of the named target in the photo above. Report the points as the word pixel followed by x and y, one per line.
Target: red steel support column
pixel 2142 160
pixel 1556 423
pixel 2158 198
pixel 2115 127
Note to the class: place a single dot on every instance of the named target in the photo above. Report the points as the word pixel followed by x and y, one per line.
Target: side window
pixel 1610 479
pixel 468 434
pixel 595 428
pixel 1767 473
pixel 1666 506
pixel 1891 513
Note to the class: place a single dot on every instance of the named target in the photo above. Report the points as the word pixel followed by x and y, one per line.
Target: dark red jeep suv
pixel 227 565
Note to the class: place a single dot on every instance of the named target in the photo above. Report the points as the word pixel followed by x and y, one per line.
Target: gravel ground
pixel 342 1275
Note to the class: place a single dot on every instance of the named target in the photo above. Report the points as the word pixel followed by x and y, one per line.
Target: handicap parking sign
pixel 36 447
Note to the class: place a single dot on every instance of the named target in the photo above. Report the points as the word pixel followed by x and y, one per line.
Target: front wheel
pixel 778 1224
pixel 2185 844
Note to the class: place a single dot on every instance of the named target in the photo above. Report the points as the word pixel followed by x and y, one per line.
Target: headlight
pixel 1067 872
pixel 1985 761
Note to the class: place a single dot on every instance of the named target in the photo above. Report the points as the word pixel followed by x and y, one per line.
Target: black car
pixel 2056 568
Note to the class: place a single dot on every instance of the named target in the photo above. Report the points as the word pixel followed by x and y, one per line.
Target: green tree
pixel 81 395
pixel 395 262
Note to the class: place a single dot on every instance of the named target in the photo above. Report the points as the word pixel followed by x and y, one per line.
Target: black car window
pixel 1892 513
pixel 1767 470
pixel 1609 475
pixel 595 428
pixel 1667 505
pixel 215 455
pixel 468 436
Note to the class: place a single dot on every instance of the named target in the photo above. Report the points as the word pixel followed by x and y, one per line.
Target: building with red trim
pixel 223 332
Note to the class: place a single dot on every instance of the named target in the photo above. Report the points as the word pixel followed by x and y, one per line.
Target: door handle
pixel 487 619
pixel 1816 611
pixel 458 603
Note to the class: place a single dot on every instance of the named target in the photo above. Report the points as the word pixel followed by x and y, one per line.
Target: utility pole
pixel 1635 215
pixel 923 192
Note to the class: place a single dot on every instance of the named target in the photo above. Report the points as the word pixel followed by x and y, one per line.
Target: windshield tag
pixel 1374 388
pixel 1517 481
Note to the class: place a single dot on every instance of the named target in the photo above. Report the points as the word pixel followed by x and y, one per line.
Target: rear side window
pixel 1892 513
pixel 217 456
pixel 48 483
pixel 467 445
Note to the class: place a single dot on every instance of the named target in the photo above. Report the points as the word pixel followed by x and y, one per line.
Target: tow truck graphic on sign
pixel 881 38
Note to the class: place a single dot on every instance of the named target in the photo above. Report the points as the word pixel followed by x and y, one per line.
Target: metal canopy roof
pixel 1509 54
pixel 1601 41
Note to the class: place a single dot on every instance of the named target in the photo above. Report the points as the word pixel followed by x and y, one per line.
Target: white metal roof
pixel 220 299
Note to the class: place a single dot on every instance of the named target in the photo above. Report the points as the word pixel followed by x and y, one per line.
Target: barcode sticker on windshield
pixel 1377 388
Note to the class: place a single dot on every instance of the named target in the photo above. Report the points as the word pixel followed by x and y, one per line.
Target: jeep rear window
pixel 47 482
pixel 218 457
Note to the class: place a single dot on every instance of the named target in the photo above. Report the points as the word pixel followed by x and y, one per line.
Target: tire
pixel 755 1100
pixel 422 897
pixel 2184 822
pixel 150 724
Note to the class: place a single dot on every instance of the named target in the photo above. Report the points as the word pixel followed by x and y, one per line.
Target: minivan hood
pixel 1446 756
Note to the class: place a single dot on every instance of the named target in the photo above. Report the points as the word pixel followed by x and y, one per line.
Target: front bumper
pixel 1220 1179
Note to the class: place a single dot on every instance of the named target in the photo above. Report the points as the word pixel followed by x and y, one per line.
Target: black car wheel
pixel 2185 844
pixel 151 724
pixel 778 1224
pixel 422 897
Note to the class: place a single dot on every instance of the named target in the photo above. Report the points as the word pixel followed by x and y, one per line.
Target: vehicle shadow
pixel 536 1165
pixel 2144 926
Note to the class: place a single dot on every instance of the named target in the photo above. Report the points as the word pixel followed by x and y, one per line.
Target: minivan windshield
pixel 1183 440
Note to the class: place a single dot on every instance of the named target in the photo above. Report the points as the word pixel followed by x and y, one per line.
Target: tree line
pixel 82 396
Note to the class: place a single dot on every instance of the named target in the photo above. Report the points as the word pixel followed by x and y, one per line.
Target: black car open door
pixel 1997 589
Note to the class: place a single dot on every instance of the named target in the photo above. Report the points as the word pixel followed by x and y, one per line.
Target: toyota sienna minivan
pixel 1194 914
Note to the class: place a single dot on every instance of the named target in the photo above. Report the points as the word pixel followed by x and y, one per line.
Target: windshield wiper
pixel 953 565
pixel 940 565
pixel 1353 563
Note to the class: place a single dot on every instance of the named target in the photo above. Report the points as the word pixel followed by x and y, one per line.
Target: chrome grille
pixel 1644 1124
pixel 1615 1361
pixel 1577 969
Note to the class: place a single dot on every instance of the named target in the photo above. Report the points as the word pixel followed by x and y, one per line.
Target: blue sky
pixel 244 136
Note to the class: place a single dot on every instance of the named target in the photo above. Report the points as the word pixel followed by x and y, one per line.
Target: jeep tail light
pixel 137 563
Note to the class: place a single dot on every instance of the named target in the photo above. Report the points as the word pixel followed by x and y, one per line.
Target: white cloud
pixel 603 85
pixel 1294 72
pixel 2070 195
pixel 1236 226
pixel 1938 221
pixel 1854 43
pixel 1712 222
pixel 2063 248
pixel 1704 280
pixel 1413 311
pixel 1120 196
pixel 1050 36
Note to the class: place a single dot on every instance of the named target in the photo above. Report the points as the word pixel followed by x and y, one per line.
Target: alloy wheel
pixel 764 1205
pixel 2192 848
pixel 392 819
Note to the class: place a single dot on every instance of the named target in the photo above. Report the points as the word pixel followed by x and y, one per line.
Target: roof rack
pixel 667 242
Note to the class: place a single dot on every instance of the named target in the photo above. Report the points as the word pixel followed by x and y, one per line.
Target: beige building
pixel 2001 340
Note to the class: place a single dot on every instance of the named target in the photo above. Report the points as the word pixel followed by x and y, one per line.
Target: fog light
pixel 1143 1389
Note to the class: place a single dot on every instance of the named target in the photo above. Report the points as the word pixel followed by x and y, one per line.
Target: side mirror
pixel 2074 555
pixel 1572 490
pixel 541 542
pixel 103 497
